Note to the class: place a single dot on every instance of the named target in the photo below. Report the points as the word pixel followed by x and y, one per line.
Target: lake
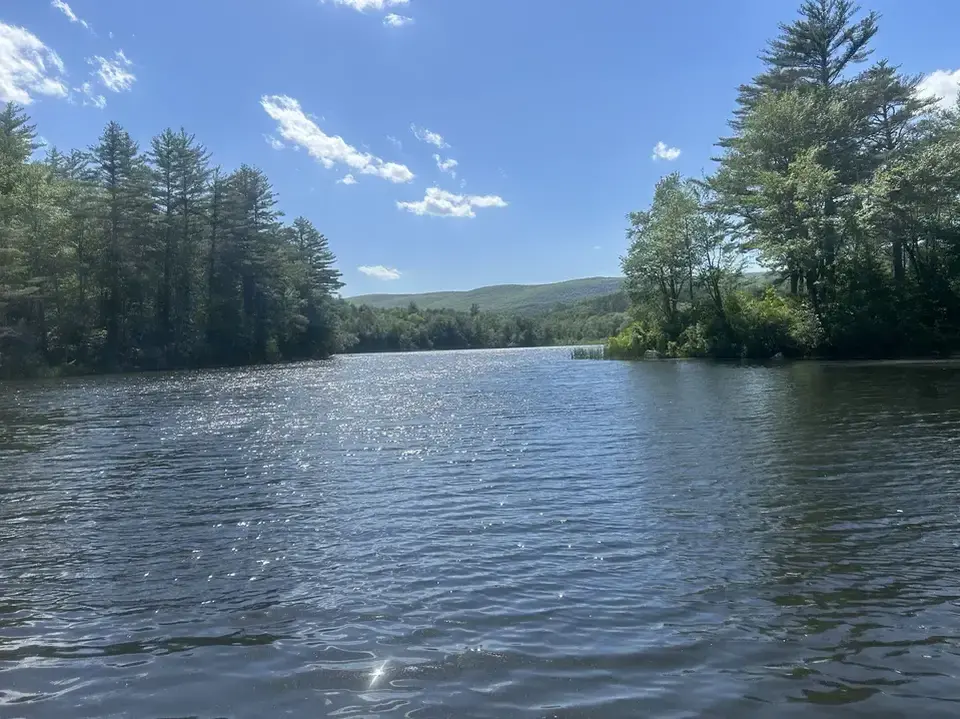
pixel 483 534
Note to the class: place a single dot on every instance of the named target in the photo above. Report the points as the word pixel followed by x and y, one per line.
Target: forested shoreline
pixel 116 259
pixel 839 178
pixel 411 328
pixel 113 259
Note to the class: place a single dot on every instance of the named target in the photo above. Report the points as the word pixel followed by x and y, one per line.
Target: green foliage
pixel 753 326
pixel 371 329
pixel 843 183
pixel 410 328
pixel 659 265
pixel 112 259
pixel 587 321
pixel 517 299
pixel 762 327
pixel 637 340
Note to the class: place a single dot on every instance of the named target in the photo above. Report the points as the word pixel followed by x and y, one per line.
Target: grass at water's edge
pixel 593 353
pixel 602 352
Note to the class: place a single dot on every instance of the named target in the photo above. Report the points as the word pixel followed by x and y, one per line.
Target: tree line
pixel 112 258
pixel 368 329
pixel 842 181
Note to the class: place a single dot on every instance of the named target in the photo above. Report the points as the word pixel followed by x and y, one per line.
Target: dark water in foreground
pixel 483 534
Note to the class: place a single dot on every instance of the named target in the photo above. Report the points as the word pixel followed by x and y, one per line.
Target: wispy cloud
pixel 380 272
pixel 68 11
pixel 347 180
pixel 297 128
pixel 942 85
pixel 394 20
pixel 378 5
pixel 662 152
pixel 449 165
pixel 428 136
pixel 441 203
pixel 28 67
pixel 90 97
pixel 395 142
pixel 274 142
pixel 114 74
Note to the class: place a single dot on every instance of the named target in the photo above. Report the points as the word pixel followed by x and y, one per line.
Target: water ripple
pixel 483 534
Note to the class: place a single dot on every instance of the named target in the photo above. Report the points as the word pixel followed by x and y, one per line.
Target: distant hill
pixel 520 299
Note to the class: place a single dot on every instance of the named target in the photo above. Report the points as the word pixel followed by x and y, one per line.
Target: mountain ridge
pixel 518 298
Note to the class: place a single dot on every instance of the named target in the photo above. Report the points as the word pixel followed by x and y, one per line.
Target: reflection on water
pixel 483 534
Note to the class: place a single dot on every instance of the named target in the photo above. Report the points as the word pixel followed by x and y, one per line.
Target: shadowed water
pixel 483 534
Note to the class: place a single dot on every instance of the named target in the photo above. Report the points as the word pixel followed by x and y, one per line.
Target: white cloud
pixel 347 180
pixel 596 247
pixel 274 142
pixel 425 135
pixel 394 20
pixel 441 203
pixel 90 97
pixel 295 127
pixel 27 67
pixel 449 165
pixel 942 85
pixel 395 142
pixel 380 272
pixel 662 152
pixel 114 73
pixel 364 5
pixel 68 11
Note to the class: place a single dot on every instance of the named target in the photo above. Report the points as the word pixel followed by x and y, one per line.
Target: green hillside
pixel 522 299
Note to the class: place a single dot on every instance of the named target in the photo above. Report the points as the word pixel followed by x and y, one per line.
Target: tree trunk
pixel 897 247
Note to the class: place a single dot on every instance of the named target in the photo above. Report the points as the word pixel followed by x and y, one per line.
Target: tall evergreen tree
pixel 111 259
pixel 315 250
pixel 179 181
pixel 247 269
pixel 814 51
pixel 798 148
pixel 319 283
pixel 126 249
pixel 16 284
pixel 842 182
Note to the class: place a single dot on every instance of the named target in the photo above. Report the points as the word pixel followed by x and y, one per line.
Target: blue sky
pixel 551 110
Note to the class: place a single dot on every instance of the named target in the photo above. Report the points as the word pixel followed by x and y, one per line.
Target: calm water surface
pixel 483 534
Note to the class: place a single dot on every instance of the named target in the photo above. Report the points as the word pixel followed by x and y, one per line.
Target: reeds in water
pixel 589 353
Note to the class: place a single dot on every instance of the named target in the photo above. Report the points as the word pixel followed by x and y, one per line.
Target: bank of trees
pixel 368 329
pixel 115 258
pixel 842 181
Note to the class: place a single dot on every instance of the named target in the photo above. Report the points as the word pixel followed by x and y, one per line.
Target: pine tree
pixel 126 250
pixel 79 200
pixel 320 281
pixel 814 51
pixel 315 250
pixel 112 260
pixel 16 285
pixel 892 106
pixel 247 268
pixel 179 178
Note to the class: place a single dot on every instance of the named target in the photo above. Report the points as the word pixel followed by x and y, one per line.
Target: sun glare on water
pixel 377 673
